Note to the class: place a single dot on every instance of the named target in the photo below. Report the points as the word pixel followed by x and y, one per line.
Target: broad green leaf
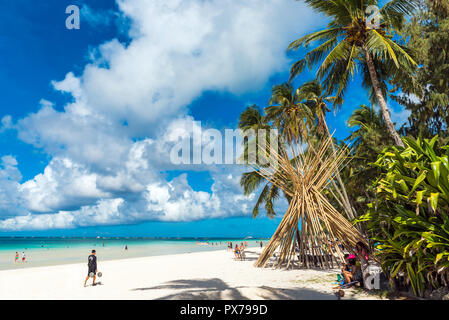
pixel 434 200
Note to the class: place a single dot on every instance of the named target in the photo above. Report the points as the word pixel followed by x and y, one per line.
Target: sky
pixel 89 115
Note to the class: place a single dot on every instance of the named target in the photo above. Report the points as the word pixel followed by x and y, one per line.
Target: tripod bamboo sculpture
pixel 310 221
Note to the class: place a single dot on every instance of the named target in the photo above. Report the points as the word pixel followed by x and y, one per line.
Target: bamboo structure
pixel 310 227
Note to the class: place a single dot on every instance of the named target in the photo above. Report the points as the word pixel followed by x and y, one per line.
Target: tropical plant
pixel 252 120
pixel 427 98
pixel 410 216
pixel 352 39
pixel 368 139
pixel 316 100
pixel 288 113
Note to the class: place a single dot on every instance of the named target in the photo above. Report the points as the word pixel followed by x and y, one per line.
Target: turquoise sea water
pixel 43 251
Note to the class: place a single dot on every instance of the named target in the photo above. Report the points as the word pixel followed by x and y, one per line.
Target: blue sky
pixel 86 114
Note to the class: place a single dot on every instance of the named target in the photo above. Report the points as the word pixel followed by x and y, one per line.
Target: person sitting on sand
pixel 354 273
pixel 346 267
pixel 237 251
pixel 91 267
pixel 362 250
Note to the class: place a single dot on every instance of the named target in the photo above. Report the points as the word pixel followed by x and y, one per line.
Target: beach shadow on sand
pixel 217 289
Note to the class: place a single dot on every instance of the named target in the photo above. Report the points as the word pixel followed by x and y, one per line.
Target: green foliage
pixel 252 120
pixel 368 139
pixel 341 49
pixel 410 216
pixel 427 98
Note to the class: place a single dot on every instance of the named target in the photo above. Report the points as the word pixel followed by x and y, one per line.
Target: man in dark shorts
pixel 92 267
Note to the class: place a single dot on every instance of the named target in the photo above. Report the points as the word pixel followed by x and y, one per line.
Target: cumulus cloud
pixel 10 177
pixel 111 144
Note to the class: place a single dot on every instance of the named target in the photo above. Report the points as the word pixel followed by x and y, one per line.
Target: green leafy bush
pixel 410 218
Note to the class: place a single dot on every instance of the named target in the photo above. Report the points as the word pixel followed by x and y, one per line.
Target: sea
pixel 47 251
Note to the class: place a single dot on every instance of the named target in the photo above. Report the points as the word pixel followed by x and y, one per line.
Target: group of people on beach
pixel 352 272
pixel 239 251
pixel 16 258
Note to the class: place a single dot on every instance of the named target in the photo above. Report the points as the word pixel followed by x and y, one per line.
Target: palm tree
pixel 368 139
pixel 370 133
pixel 351 39
pixel 288 113
pixel 317 100
pixel 252 119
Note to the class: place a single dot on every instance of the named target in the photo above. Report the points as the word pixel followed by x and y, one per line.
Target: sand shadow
pixel 217 289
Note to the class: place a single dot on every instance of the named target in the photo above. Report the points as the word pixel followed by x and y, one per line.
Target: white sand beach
pixel 199 275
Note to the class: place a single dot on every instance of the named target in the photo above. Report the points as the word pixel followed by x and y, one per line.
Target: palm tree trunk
pixel 380 99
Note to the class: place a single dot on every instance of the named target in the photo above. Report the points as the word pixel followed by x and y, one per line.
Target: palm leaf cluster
pixel 299 115
pixel 351 44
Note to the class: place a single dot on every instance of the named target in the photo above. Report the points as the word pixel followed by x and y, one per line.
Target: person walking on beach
pixel 92 267
pixel 16 259
pixel 23 256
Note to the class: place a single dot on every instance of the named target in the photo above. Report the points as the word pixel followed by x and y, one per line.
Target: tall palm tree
pixel 317 100
pixel 253 119
pixel 351 39
pixel 288 113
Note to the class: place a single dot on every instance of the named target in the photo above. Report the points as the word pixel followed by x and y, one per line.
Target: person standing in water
pixel 126 247
pixel 92 267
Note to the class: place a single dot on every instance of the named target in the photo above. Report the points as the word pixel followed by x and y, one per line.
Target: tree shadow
pixel 217 289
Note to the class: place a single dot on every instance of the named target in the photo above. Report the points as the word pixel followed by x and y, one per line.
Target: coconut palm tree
pixel 253 120
pixel 296 113
pixel 351 39
pixel 288 113
pixel 368 139
pixel 370 133
pixel 316 99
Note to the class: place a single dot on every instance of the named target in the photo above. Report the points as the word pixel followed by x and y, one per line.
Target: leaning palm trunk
pixel 381 100
pixel 310 219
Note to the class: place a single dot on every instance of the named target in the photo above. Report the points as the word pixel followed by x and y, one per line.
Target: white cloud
pixel 10 201
pixel 110 145
pixel 6 123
